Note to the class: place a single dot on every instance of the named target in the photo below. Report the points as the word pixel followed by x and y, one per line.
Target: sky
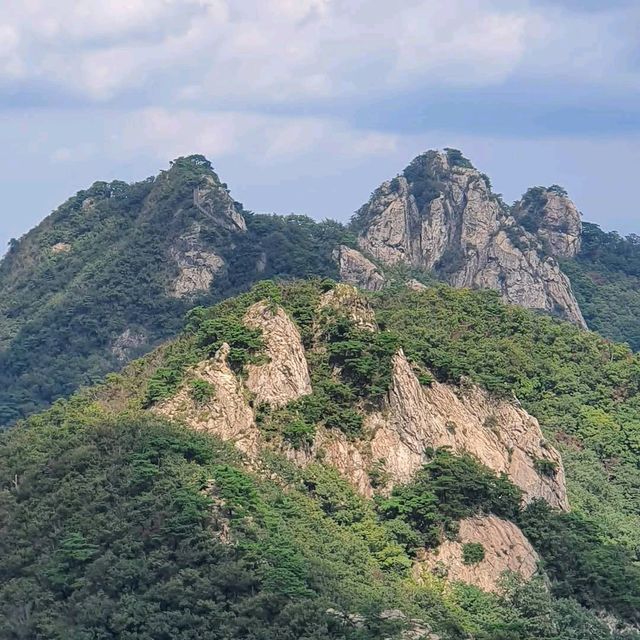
pixel 306 106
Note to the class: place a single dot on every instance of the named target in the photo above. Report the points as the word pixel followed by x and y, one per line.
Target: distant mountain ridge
pixel 111 273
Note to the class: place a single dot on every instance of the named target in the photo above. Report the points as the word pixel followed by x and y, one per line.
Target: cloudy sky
pixel 307 105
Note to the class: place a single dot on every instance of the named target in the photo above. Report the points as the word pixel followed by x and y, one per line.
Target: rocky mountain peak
pixel 553 218
pixel 190 183
pixel 441 215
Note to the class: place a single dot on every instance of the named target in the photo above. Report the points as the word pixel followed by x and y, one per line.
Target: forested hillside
pixel 606 280
pixel 121 521
pixel 112 272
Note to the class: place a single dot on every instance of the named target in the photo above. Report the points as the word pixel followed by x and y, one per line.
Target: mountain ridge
pixel 131 502
pixel 111 273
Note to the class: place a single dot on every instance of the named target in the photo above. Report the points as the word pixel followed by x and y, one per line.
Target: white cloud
pixel 263 139
pixel 256 52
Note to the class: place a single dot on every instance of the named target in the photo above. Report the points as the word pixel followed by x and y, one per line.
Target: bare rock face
pixel 61 247
pixel 505 550
pixel 415 285
pixel 499 434
pixel 285 376
pixel 127 343
pixel 226 414
pixel 553 217
pixel 355 269
pixel 213 200
pixel 197 269
pixel 346 299
pixel 197 265
pixel 441 215
pixel 336 450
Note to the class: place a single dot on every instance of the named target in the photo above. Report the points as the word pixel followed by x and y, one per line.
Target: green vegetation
pixel 62 313
pixel 130 527
pixel 201 391
pixel 456 159
pixel 545 467
pixel 576 555
pixel 424 186
pixel 582 388
pixel 137 528
pixel 446 490
pixel 334 343
pixel 472 553
pixel 605 278
pixel 581 563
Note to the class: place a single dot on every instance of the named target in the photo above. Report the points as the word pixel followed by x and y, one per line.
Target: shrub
pixel 472 553
pixel 545 467
pixel 201 391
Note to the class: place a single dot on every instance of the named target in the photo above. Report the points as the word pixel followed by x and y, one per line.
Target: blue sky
pixel 307 105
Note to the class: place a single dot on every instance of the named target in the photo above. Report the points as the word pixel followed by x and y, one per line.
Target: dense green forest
pixel 130 527
pixel 118 524
pixel 605 278
pixel 62 312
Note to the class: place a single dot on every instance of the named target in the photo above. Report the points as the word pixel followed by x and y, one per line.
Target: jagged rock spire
pixel 441 215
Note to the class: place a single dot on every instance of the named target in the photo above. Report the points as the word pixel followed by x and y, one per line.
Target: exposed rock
pixel 443 217
pixel 339 452
pixel 414 629
pixel 285 376
pixel 355 269
pixel 226 414
pixel 554 218
pixel 125 345
pixel 197 265
pixel 61 247
pixel 197 269
pixel 261 262
pixel 505 547
pixel 213 200
pixel 88 205
pixel 346 299
pixel 499 434
pixel 416 285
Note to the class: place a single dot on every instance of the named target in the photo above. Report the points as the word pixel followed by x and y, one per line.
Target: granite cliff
pixel 440 215
pixel 397 436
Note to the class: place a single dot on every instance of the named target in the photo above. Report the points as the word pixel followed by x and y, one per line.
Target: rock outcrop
pixel 505 550
pixel 355 269
pixel 396 439
pixel 196 270
pixel 441 215
pixel 226 414
pixel 197 265
pixel 415 285
pixel 213 200
pixel 128 343
pixel 554 219
pixel 499 434
pixel 285 376
pixel 346 300
pixel 61 247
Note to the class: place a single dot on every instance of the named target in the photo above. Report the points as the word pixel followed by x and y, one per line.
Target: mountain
pixel 110 274
pixel 440 215
pixel 307 460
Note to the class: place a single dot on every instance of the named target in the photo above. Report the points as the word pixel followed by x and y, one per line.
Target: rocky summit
pixel 110 274
pixel 440 215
